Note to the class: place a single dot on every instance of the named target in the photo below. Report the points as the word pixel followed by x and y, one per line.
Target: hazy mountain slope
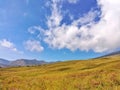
pixel 3 65
pixel 3 61
pixel 95 74
pixel 113 53
pixel 109 54
pixel 20 62
pixel 26 62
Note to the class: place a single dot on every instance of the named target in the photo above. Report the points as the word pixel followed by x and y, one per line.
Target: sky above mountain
pixel 54 30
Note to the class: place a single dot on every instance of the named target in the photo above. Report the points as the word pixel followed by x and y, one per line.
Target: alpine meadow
pixel 59 44
pixel 95 74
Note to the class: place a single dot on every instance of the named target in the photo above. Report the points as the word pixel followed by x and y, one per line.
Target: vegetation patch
pixel 94 74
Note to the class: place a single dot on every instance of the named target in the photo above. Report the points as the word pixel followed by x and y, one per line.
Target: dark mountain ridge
pixel 110 54
pixel 113 53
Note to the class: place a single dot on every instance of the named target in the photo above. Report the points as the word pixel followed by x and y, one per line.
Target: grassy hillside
pixel 95 74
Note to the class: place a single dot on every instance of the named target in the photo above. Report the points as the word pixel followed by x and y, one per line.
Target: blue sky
pixel 54 30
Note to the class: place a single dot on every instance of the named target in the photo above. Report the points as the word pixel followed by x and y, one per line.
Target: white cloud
pixel 33 29
pixel 33 45
pixel 87 18
pixel 73 1
pixel 85 33
pixel 56 16
pixel 7 44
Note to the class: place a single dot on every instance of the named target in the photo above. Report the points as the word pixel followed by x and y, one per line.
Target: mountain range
pixel 33 62
pixel 20 62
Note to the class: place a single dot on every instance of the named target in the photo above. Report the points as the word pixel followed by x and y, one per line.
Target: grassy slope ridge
pixel 95 74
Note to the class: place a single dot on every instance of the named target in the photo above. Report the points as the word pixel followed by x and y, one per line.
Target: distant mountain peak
pixel 21 62
pixel 26 62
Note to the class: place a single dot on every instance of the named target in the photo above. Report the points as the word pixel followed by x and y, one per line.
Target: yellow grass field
pixel 95 74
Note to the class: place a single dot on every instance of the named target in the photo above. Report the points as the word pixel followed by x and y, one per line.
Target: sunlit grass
pixel 95 74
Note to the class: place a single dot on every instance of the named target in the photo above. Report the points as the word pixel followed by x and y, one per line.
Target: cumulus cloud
pixel 9 49
pixel 85 33
pixel 33 45
pixel 7 44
